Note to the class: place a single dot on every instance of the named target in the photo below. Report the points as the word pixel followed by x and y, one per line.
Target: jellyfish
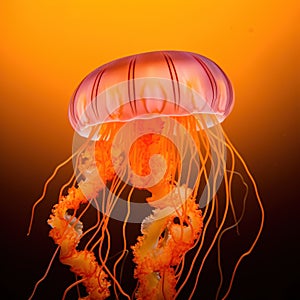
pixel 150 122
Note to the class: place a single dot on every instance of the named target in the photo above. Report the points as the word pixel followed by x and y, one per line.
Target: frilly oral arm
pixel 66 231
pixel 157 255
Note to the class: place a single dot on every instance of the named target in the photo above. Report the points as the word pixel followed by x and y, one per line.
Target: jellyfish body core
pixel 148 122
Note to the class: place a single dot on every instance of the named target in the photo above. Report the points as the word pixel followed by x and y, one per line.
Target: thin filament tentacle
pixel 45 274
pixel 262 217
pixel 229 228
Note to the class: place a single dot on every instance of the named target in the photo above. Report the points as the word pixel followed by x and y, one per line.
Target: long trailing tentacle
pixel 234 152
pixel 246 253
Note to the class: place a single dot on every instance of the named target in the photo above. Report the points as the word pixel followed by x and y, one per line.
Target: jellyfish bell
pixel 148 122
pixel 167 83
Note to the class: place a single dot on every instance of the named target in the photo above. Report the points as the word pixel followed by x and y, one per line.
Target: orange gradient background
pixel 47 47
